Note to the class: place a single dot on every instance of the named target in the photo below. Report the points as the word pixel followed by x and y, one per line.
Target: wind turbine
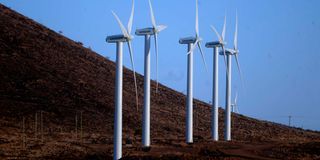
pixel 229 53
pixel 192 43
pixel 215 99
pixel 147 32
pixel 234 105
pixel 125 37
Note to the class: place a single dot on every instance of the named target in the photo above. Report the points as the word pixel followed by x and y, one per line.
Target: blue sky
pixel 278 43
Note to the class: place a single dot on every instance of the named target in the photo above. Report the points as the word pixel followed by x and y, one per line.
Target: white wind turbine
pixel 215 98
pixel 192 43
pixel 229 53
pixel 234 105
pixel 119 40
pixel 147 32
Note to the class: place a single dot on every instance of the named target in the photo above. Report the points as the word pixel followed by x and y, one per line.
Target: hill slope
pixel 43 72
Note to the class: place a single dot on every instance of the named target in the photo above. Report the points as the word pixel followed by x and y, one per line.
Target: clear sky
pixel 278 43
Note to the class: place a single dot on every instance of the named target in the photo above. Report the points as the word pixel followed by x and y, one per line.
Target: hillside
pixel 42 71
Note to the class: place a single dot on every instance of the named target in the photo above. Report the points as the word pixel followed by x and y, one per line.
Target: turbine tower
pixel 229 53
pixel 192 43
pixel 125 37
pixel 215 99
pixel 147 32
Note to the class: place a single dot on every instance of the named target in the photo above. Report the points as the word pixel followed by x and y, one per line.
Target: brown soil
pixel 43 71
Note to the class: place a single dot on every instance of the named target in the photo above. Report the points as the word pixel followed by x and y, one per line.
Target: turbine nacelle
pixel 117 38
pixel 145 31
pixel 187 40
pixel 229 51
pixel 214 44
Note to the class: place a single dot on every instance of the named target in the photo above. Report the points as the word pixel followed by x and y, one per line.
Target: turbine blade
pixel 216 32
pixel 202 55
pixel 161 28
pixel 225 58
pixel 123 29
pixel 236 99
pixel 193 46
pixel 134 74
pixel 152 15
pixel 197 20
pixel 157 56
pixel 235 41
pixel 223 34
pixel 239 69
pixel 131 18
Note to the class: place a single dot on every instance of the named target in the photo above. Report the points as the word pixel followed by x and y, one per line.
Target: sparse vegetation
pixel 79 43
